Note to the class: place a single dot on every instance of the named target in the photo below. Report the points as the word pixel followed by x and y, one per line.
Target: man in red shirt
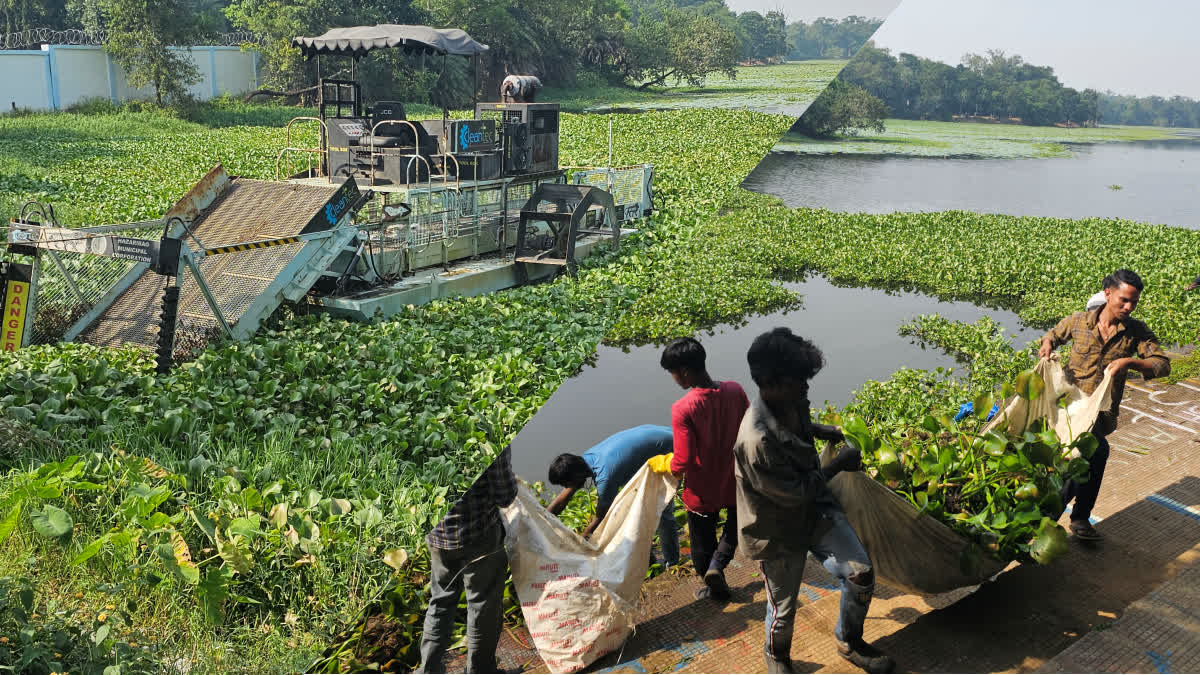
pixel 704 426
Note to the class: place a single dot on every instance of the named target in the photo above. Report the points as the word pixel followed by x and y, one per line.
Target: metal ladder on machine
pixel 277 240
pixel 568 211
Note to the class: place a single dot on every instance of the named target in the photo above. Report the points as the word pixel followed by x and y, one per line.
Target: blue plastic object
pixel 968 408
pixel 964 410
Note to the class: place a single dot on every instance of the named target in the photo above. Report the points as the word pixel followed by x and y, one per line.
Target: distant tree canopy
pixel 636 43
pixel 987 85
pixel 828 38
pixel 762 37
pixel 842 109
pixel 1177 111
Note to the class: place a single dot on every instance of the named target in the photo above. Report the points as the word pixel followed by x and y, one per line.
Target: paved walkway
pixel 1131 603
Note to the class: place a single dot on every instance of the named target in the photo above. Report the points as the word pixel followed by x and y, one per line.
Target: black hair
pixel 780 353
pixel 568 469
pixel 1124 277
pixel 683 353
pixel 1109 282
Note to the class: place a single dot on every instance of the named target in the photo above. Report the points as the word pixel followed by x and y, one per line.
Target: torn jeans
pixel 841 553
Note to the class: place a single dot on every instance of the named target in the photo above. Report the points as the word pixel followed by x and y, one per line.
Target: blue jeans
pixel 480 568
pixel 841 553
pixel 668 535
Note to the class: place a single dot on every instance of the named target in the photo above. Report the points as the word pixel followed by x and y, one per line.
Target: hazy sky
pixel 1141 48
pixel 807 10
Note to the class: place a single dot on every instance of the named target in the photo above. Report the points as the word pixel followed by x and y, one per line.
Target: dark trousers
pixel 1085 494
pixel 480 569
pixel 707 551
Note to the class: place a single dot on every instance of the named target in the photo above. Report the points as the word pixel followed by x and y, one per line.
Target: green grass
pixel 961 139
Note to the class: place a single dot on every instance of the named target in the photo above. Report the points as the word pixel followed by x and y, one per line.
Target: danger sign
pixel 16 309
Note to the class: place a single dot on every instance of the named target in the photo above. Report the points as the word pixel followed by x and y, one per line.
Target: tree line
pixel 1157 111
pixel 987 85
pixel 632 43
pixel 827 38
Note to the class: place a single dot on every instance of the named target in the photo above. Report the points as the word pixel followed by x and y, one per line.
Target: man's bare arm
pixel 560 502
pixel 587 532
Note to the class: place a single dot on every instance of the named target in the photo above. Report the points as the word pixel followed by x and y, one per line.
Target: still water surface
pixel 854 327
pixel 1160 183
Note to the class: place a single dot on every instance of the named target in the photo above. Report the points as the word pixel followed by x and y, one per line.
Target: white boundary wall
pixel 59 76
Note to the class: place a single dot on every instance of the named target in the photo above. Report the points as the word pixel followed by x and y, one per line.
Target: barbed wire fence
pixel 35 37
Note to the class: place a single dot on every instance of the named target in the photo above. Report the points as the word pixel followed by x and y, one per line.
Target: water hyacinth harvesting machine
pixel 380 213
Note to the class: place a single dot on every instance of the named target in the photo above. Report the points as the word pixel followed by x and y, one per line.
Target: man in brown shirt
pixel 1104 340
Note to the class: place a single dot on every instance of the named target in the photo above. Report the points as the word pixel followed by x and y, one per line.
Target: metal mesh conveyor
pixel 245 211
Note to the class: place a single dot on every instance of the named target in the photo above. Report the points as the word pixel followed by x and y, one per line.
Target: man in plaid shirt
pixel 1104 340
pixel 467 548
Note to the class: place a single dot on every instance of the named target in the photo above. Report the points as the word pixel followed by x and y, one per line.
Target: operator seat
pixel 389 135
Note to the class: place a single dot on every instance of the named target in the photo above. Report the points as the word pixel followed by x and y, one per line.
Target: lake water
pixel 1160 183
pixel 856 328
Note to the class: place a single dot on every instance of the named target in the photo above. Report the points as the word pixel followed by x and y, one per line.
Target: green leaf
pixel 101 634
pixel 1029 385
pixel 52 522
pixel 889 464
pixel 983 404
pixel 1040 453
pixel 339 507
pixel 246 527
pixel 1049 543
pixel 212 592
pixel 10 522
pixel 207 526
pixel 994 444
pixel 1087 444
pixel 90 550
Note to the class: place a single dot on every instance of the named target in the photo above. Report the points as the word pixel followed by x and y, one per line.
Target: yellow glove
pixel 660 464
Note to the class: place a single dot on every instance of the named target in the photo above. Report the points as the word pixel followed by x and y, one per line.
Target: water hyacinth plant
pixel 999 490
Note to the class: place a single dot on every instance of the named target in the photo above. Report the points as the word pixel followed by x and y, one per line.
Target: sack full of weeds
pixel 579 596
pixel 946 505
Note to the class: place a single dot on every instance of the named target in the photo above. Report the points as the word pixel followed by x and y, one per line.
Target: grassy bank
pixel 913 138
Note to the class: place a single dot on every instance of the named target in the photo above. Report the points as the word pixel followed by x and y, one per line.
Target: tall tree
pixel 140 33
pixel 842 109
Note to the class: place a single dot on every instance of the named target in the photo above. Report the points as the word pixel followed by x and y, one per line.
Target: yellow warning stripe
pixel 235 248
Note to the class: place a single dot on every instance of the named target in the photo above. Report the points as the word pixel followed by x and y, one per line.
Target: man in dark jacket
pixel 784 507
pixel 466 551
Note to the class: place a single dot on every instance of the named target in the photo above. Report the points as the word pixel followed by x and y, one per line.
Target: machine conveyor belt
pixel 245 211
